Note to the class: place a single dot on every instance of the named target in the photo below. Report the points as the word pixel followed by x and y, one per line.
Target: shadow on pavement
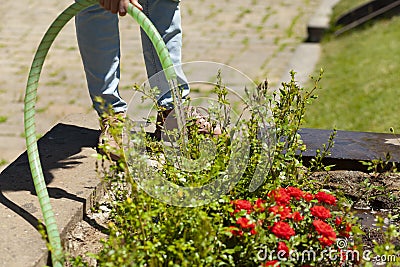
pixel 58 149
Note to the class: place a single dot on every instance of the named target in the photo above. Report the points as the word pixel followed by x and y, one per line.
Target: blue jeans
pixel 99 45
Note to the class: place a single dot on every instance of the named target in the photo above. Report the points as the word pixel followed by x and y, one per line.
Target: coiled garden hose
pixel 30 102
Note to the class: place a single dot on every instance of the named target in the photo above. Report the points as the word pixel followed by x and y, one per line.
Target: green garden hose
pixel 30 102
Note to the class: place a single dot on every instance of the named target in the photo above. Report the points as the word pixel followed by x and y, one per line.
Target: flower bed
pixel 291 219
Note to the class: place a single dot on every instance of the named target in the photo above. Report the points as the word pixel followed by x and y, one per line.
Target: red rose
pixel 272 263
pixel 235 231
pixel 282 249
pixel 346 231
pixel 295 192
pixel 259 205
pixel 343 255
pixel 348 227
pixel 324 229
pixel 242 205
pixel 280 196
pixel 308 197
pixel 297 216
pixel 283 211
pixel 253 232
pixel 245 223
pixel 320 212
pixel 282 230
pixel 326 198
pixel 326 241
pixel 338 221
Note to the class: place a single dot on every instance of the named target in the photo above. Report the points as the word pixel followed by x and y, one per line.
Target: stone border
pixel 73 184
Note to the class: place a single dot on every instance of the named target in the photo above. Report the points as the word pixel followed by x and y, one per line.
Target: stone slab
pixel 73 184
pixel 352 147
pixel 365 10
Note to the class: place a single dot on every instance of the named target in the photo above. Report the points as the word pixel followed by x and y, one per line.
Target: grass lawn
pixel 360 88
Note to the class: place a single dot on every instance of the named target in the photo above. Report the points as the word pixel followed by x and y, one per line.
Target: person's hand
pixel 120 6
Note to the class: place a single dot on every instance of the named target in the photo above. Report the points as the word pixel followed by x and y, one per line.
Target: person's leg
pixel 99 45
pixel 166 17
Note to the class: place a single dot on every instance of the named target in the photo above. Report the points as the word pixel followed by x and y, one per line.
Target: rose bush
pixel 288 221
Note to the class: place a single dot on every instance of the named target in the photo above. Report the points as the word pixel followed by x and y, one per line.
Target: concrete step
pixel 73 184
pixel 320 20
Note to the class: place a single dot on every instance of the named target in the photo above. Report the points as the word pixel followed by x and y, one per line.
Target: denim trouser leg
pixel 166 17
pixel 99 45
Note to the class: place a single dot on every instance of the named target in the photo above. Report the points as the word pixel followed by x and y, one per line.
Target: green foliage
pixel 145 231
pixel 381 165
pixel 288 112
pixel 316 162
pixel 387 252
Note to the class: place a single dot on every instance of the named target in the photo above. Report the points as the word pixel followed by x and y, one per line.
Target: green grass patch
pixel 3 119
pixel 360 86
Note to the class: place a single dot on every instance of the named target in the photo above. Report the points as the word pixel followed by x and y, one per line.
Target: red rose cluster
pixel 243 223
pixel 326 231
pixel 320 212
pixel 325 198
pixel 279 204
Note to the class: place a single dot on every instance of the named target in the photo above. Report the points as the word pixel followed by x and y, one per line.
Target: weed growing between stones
pixel 274 215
